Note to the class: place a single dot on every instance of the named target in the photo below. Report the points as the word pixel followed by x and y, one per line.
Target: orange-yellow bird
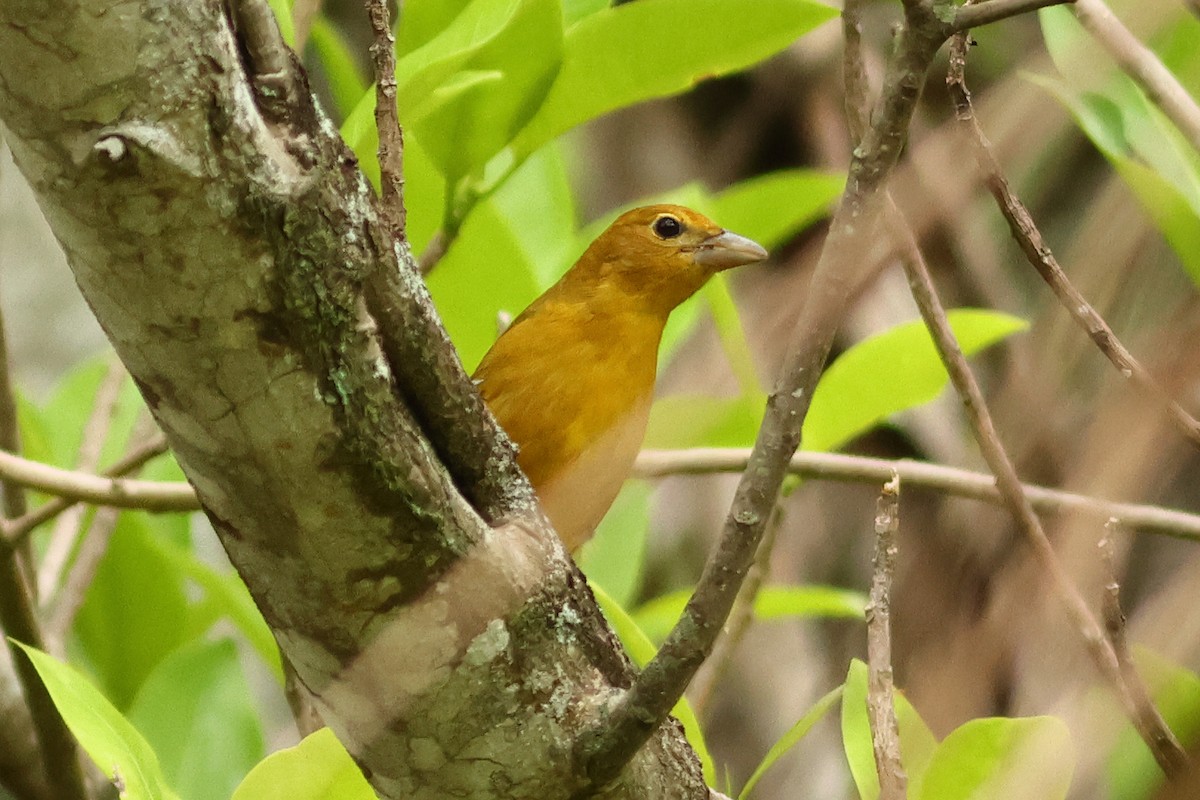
pixel 572 378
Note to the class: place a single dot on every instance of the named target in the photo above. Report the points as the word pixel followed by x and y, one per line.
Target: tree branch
pixel 937 477
pixel 885 731
pixel 979 14
pixel 1041 257
pixel 1009 485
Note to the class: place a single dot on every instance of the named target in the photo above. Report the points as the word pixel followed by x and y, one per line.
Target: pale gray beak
pixel 726 250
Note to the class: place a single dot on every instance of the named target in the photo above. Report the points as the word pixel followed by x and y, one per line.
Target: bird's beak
pixel 726 250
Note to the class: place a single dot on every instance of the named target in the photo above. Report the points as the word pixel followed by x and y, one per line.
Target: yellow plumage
pixel 571 380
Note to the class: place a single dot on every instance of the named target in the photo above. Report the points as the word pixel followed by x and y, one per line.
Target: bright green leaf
pixel 283 14
pixel 652 48
pixel 641 650
pixel 773 207
pixel 575 10
pixel 656 617
pixel 134 612
pixel 700 420
pixel 495 93
pixel 483 273
pixel 613 558
pixel 790 739
pixel 195 709
pixel 998 759
pixel 917 743
pixel 108 738
pixel 72 402
pixel 318 768
pixel 891 372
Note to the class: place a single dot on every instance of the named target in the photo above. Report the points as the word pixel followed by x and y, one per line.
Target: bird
pixel 571 379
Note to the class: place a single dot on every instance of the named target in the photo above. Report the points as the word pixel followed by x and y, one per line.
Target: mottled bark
pixel 223 235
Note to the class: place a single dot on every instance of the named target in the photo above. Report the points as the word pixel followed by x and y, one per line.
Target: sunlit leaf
pixel 318 768
pixel 652 48
pixel 613 558
pixel 108 738
pixel 891 372
pixel 999 759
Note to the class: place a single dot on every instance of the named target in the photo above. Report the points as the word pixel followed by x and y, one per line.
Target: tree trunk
pixel 222 233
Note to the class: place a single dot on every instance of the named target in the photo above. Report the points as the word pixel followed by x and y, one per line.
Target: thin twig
pixel 854 71
pixel 19 529
pixel 936 477
pixel 740 619
pixel 387 119
pixel 434 251
pixel 974 16
pixel 1151 726
pixel 843 266
pixel 885 731
pixel 1140 63
pixel 68 598
pixel 1038 253
pixel 963 379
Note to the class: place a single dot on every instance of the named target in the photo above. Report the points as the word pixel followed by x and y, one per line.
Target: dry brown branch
pixel 936 477
pixel 387 119
pixel 925 294
pixel 1151 726
pixel 1039 254
pixel 885 731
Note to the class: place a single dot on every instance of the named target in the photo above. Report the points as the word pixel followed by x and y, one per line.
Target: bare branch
pixel 387 119
pixel 938 477
pixel 973 16
pixel 1039 254
pixel 885 731
pixel 1153 729
pixel 18 529
pixel 926 297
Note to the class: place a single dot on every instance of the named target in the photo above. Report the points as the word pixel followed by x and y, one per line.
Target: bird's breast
pixel 577 496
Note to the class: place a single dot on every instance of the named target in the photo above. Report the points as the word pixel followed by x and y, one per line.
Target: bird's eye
pixel 667 227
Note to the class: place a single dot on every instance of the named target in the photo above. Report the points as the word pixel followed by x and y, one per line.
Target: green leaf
pixel 108 738
pixel 790 739
pixel 483 273
pixel 917 743
pixel 575 10
pixel 891 372
pixel 318 768
pixel 224 596
pixel 613 558
pixel 653 48
pixel 772 208
pixel 195 709
pixel 1000 758
pixel 641 650
pixel 658 616
pixel 495 91
pixel 732 335
pixel 134 613
pixel 347 86
pixel 1131 770
pixel 423 20
pixel 538 207
pixel 70 406
pixel 700 420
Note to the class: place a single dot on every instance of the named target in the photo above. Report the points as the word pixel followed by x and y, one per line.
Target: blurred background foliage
pixel 530 124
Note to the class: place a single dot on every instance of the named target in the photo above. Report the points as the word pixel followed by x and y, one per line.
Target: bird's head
pixel 662 254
